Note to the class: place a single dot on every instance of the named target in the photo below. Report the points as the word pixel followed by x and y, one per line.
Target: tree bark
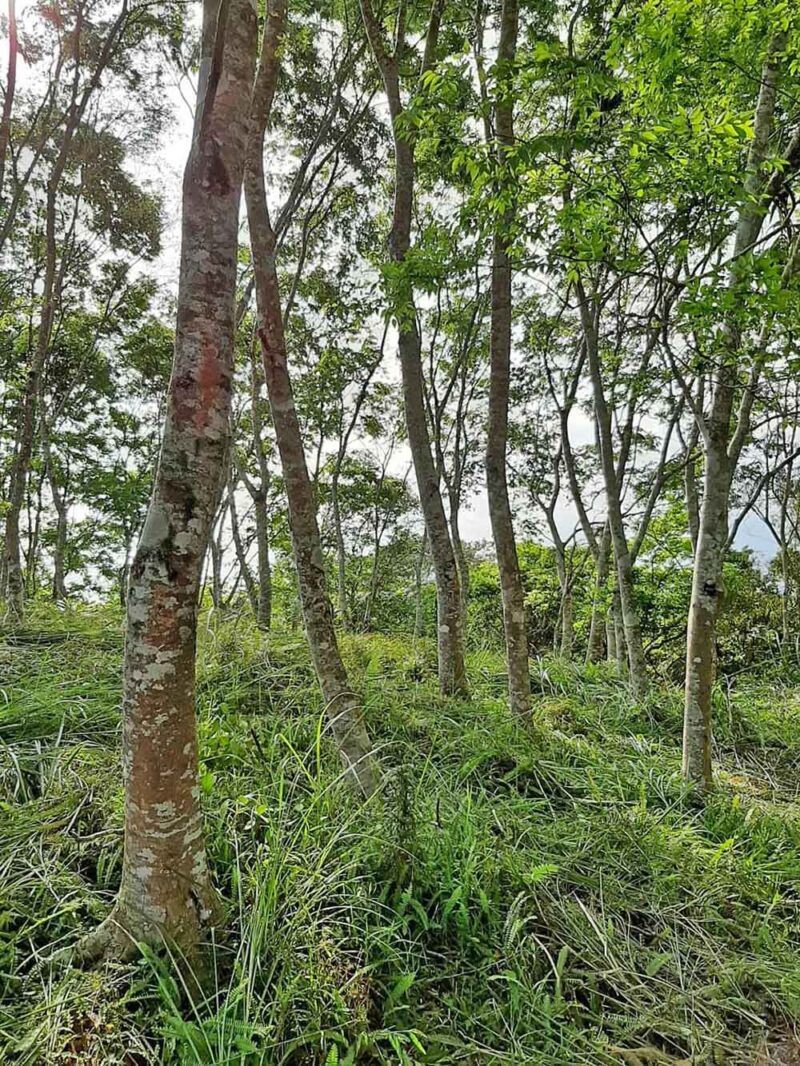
pixel 166 892
pixel 344 712
pixel 450 630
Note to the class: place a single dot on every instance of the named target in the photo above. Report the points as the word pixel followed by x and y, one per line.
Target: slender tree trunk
pixel 11 83
pixel 166 891
pixel 460 554
pixel 719 464
pixel 620 635
pixel 611 636
pixel 567 623
pixel 373 585
pixel 215 551
pixel 14 590
pixel 260 496
pixel 343 709
pixel 450 629
pixel 616 525
pixel 59 553
pixel 341 556
pixel 419 615
pixel 238 544
pixel 264 607
pixel 599 620
pixel 519 688
pixel 58 494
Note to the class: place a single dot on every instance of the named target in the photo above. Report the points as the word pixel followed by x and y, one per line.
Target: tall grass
pixel 542 896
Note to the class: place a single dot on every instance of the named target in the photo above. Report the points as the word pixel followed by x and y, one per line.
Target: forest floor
pixel 543 896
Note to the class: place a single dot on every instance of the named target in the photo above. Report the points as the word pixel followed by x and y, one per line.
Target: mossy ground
pixel 548 896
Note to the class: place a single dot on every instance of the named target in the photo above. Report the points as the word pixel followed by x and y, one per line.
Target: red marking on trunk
pixel 209 382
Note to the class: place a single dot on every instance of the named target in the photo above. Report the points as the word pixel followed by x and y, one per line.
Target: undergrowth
pixel 534 896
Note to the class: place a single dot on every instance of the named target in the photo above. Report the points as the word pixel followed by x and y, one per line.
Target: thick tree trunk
pixel 513 595
pixel 719 463
pixel 166 892
pixel 706 592
pixel 343 709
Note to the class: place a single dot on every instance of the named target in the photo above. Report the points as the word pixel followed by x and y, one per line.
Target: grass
pixel 549 896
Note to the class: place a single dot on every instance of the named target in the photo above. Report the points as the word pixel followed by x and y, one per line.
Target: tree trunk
pixel 450 630
pixel 59 553
pixel 611 636
pixel 460 554
pixel 260 496
pixel 341 556
pixel 11 84
pixel 720 466
pixel 14 584
pixel 215 550
pixel 238 543
pixel 616 525
pixel 343 709
pixel 166 892
pixel 373 585
pixel 264 607
pixel 519 688
pixel 567 624
pixel 599 620
pixel 419 615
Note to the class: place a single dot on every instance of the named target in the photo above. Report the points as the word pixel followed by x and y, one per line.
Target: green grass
pixel 549 896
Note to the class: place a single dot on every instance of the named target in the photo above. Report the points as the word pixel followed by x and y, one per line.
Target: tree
pixel 399 278
pixel 499 379
pixel 166 891
pixel 344 712
pixel 722 440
